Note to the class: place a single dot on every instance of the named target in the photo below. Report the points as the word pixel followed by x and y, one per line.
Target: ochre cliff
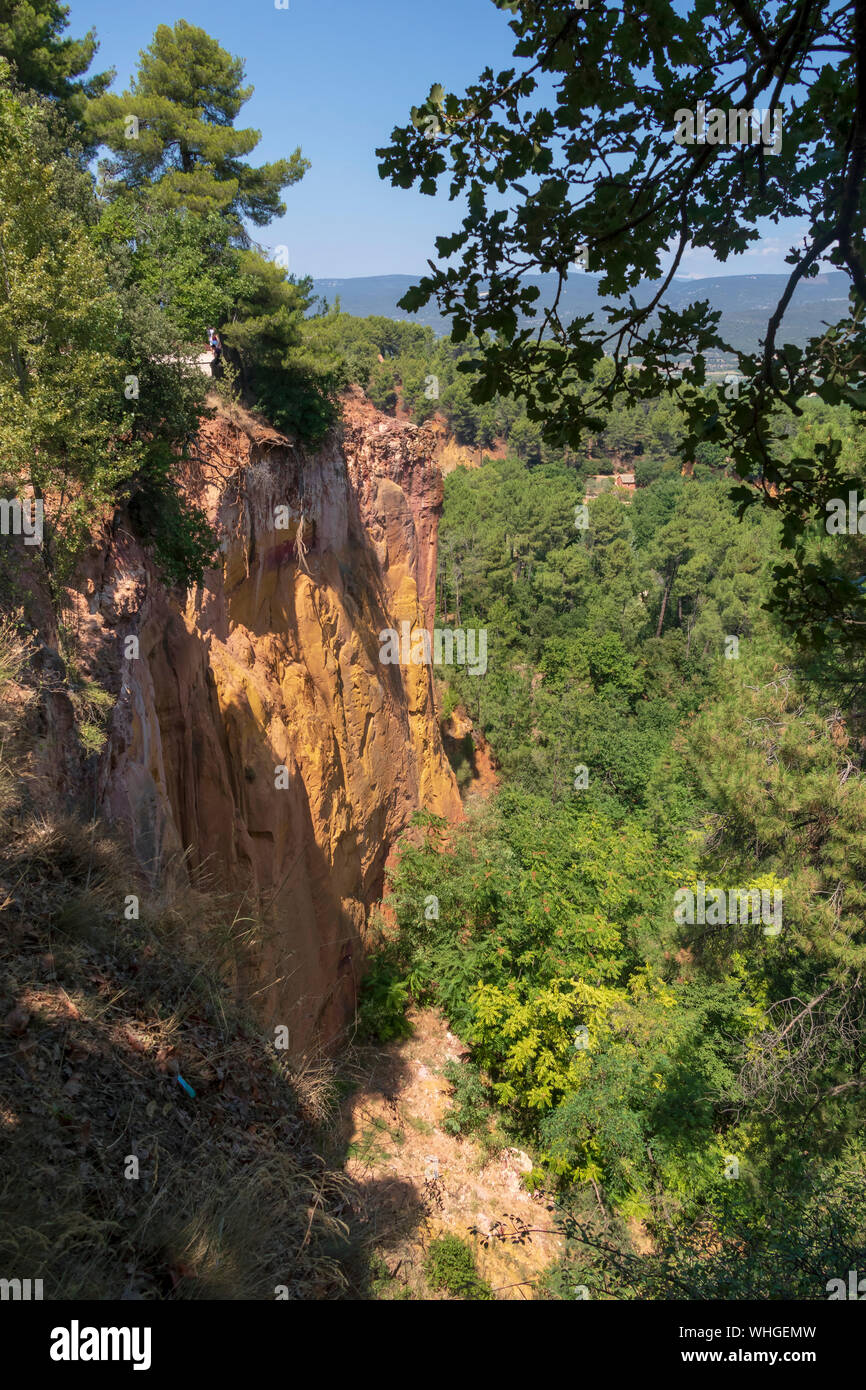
pixel 257 738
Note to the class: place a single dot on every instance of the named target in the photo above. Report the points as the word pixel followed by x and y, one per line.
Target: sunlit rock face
pixel 257 740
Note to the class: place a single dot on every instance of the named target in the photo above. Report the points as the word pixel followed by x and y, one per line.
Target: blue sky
pixel 335 76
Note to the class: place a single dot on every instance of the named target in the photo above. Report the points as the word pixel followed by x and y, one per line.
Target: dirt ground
pixel 415 1182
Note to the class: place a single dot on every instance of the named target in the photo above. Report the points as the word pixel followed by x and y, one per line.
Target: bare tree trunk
pixel 662 613
pixel 667 594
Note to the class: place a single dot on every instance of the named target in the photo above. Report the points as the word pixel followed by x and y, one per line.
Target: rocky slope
pixel 415 1180
pixel 256 738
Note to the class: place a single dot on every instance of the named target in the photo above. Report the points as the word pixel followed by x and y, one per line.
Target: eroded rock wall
pixel 274 664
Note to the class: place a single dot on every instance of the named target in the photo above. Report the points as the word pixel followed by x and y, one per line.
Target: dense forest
pixel 655 730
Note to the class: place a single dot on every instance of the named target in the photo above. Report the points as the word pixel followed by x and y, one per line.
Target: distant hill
pixel 746 301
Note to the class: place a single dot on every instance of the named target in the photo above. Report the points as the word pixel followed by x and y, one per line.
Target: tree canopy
pixel 173 132
pixel 95 401
pixel 31 38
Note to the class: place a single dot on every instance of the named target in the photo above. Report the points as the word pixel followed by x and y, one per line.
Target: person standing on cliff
pixel 216 348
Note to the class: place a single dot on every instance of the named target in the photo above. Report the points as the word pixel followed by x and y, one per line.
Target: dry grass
pixel 315 1080
pixel 99 1015
pixel 16 699
pixel 16 650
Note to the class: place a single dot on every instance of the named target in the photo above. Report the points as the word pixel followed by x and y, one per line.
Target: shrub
pixel 470 1113
pixel 450 1265
pixel 383 1004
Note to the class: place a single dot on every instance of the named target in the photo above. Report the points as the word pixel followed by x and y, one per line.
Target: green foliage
pixel 186 151
pixel 93 398
pixel 470 1112
pixel 32 40
pixel 179 188
pixel 600 639
pixel 185 264
pixel 190 267
pixel 293 382
pixel 526 1039
pixel 793 1236
pixel 450 1265
pixel 383 1003
pixel 184 545
pixel 700 1078
pixel 382 1283
pixel 381 386
pixel 105 304
pixel 531 941
pixel 577 148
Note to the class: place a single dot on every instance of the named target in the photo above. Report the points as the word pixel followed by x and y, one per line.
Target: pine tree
pixel 173 133
pixel 30 38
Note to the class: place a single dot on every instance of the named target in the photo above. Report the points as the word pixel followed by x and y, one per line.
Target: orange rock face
pixel 256 729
